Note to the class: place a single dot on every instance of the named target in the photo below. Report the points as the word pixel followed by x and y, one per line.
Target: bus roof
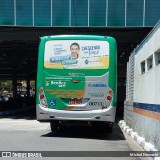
pixel 73 37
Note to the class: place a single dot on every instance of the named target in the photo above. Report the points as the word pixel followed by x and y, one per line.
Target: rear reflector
pixel 109 98
pixel 41 96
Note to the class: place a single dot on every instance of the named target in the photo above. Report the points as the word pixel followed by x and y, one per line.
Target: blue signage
pixel 52 102
pixel 97 85
pixel 59 58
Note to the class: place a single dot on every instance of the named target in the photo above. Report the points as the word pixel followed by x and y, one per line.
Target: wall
pixel 128 113
pixel 147 86
pixel 142 113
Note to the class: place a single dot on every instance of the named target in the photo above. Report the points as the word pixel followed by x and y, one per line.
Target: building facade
pixel 84 13
pixel 142 105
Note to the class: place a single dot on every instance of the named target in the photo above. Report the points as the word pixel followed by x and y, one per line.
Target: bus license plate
pixel 75 101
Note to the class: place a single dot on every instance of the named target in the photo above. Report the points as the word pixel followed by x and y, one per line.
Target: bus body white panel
pixel 42 113
pixel 106 115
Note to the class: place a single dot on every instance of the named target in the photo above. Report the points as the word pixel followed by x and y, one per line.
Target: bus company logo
pixel 47 83
pixel 97 85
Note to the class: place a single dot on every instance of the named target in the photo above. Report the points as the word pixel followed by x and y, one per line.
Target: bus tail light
pixel 42 98
pixel 110 92
pixel 109 98
pixel 109 95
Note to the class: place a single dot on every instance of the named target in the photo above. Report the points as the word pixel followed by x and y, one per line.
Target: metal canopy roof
pixel 19 46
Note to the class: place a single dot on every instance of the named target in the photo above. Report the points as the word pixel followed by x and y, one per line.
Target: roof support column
pixel 28 91
pixel 14 79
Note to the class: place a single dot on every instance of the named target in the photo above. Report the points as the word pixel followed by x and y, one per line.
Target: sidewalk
pixel 140 140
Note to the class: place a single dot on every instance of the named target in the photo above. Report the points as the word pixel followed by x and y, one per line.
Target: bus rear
pixel 76 80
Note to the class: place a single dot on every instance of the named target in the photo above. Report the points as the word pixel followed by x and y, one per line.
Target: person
pixel 74 48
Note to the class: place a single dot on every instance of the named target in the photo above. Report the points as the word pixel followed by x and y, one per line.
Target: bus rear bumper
pixel 46 114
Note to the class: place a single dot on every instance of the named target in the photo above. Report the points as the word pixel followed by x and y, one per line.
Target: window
pixel 24 12
pixel 150 62
pixel 116 13
pixel 6 12
pixel 133 6
pixel 152 12
pixel 42 12
pixel 97 15
pixel 143 67
pixel 60 12
pixel 79 12
pixel 157 57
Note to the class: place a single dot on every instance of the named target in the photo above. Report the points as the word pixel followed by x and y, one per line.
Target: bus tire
pixel 54 126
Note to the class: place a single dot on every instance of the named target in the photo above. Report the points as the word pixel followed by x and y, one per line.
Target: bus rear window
pixel 76 54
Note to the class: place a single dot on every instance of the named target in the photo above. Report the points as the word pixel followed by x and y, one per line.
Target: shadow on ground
pixel 74 131
pixel 87 132
pixel 29 114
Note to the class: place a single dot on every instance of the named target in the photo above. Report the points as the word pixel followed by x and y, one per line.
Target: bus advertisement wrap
pixel 76 54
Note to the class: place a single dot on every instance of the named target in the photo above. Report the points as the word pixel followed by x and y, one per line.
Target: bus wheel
pixel 54 126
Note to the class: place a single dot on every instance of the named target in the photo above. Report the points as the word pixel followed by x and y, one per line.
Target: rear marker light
pixel 109 98
pixel 43 102
pixel 40 91
pixel 41 96
pixel 110 92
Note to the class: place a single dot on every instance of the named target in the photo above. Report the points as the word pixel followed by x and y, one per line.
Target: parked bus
pixel 76 80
